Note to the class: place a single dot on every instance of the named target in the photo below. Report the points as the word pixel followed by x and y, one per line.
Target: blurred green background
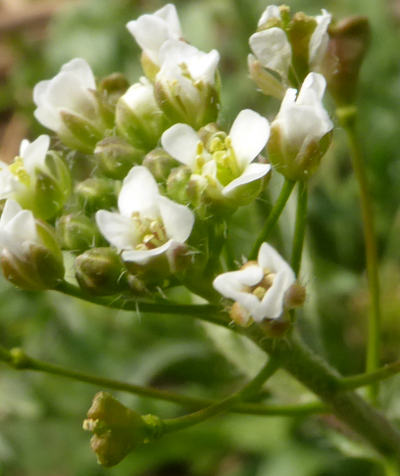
pixel 40 416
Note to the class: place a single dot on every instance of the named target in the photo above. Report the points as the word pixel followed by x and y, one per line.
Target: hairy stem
pixel 273 216
pixel 347 117
pixel 18 360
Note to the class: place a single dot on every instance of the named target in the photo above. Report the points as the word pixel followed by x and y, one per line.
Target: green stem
pixel 362 380
pixel 300 227
pixel 273 216
pixel 207 312
pixel 294 356
pixel 174 424
pixel 347 117
pixel 18 360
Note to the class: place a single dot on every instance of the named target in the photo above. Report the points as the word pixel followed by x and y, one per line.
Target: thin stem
pixel 300 227
pixel 18 360
pixel 356 381
pixel 273 216
pixel 174 424
pixel 347 117
pixel 206 312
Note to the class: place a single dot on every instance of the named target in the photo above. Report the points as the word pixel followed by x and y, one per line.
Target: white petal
pixel 144 256
pixel 81 69
pixel 272 49
pixel 203 66
pixel 139 193
pixel 272 11
pixel 269 259
pixel 178 219
pixel 249 134
pixel 10 210
pixel 34 153
pixel 169 14
pixel 118 230
pixel 252 172
pixel 312 89
pixel 319 39
pixel 231 284
pixel 181 142
pixel 273 301
pixel 8 182
pixel 45 113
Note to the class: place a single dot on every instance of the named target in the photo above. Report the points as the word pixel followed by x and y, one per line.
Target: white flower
pixel 151 31
pixel 259 287
pixel 148 224
pixel 17 230
pixel 302 118
pixel 228 162
pixel 68 91
pixel 185 85
pixel 21 173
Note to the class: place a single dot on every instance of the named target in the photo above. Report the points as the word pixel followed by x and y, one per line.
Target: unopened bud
pixel 117 430
pixel 97 193
pixel 160 164
pixel 265 81
pixel 240 316
pixel 79 133
pixel 77 232
pixel 348 44
pixel 100 271
pixel 114 86
pixel 295 296
pixel 139 118
pixel 177 184
pixel 116 157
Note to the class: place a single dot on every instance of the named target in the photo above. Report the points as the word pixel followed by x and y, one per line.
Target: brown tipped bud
pixel 116 157
pixel 117 429
pixel 114 86
pixel 100 271
pixel 348 44
pixel 295 296
pixel 160 164
pixel 240 316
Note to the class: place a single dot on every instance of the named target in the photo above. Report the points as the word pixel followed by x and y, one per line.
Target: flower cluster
pixel 139 187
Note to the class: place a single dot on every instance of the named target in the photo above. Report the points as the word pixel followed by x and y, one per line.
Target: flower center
pixel 151 232
pixel 222 152
pixel 17 168
pixel 260 289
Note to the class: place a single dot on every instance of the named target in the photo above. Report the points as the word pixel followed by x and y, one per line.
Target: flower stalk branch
pixel 300 227
pixel 348 119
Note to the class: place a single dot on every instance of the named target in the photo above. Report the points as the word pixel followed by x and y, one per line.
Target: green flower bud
pixel 77 233
pixel 97 193
pixel 79 133
pixel 100 271
pixel 113 86
pixel 138 117
pixel 116 157
pixel 177 184
pixel 160 164
pixel 348 44
pixel 117 430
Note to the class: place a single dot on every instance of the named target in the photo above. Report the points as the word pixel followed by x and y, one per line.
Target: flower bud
pixel 100 271
pixel 113 86
pixel 77 232
pixel 138 117
pixel 177 184
pixel 301 132
pixel 186 87
pixel 295 296
pixel 160 164
pixel 78 132
pixel 29 253
pixel 116 157
pixel 265 81
pixel 348 44
pixel 96 193
pixel 117 430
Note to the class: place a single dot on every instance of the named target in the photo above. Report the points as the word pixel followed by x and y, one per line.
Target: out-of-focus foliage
pixel 40 416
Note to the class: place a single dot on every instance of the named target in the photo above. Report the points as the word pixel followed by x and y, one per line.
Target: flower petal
pixel 34 153
pixel 231 284
pixel 81 69
pixel 10 210
pixel 144 256
pixel 169 14
pixel 118 230
pixel 273 50
pixel 249 134
pixel 312 90
pixel 319 39
pixel 178 219
pixel 252 172
pixel 181 142
pixel 139 193
pixel 269 259
pixel 272 11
